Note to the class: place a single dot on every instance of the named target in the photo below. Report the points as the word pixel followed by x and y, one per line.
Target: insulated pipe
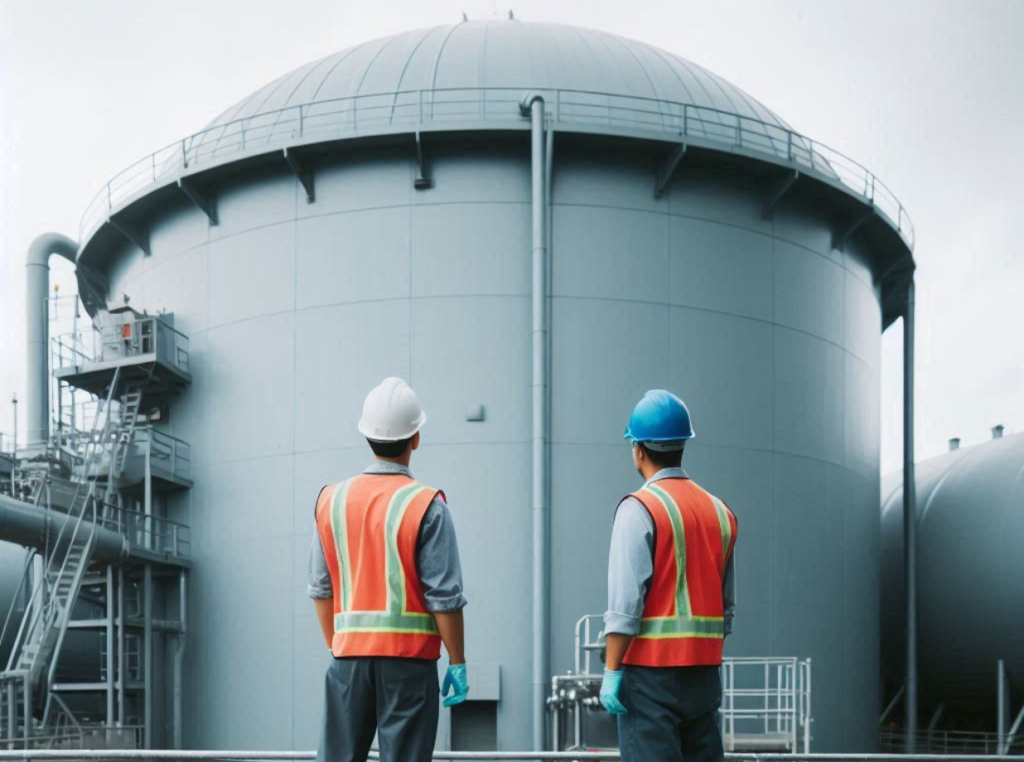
pixel 37 288
pixel 910 521
pixel 25 524
pixel 533 104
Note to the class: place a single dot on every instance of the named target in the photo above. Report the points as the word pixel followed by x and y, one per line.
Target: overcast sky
pixel 929 94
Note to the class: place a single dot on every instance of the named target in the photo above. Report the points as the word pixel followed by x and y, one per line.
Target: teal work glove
pixel 455 681
pixel 610 691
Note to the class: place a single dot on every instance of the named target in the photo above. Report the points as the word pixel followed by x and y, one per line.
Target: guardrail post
pixel 241 131
pixel 899 219
pixel 789 145
pixel 184 155
pixel 110 204
pixel 152 156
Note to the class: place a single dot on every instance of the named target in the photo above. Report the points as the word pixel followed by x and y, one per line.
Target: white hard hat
pixel 391 412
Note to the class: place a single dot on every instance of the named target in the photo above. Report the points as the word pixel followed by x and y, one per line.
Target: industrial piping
pixel 25 524
pixel 533 105
pixel 910 521
pixel 37 286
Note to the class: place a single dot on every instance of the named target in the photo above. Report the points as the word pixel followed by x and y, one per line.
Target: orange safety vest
pixel 369 526
pixel 682 622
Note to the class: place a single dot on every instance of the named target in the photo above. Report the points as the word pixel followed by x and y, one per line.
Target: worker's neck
pixel 401 460
pixel 648 470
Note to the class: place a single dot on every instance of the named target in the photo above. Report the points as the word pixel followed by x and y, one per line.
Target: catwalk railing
pixel 495 108
pixel 141 755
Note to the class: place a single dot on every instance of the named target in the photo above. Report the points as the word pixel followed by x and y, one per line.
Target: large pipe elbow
pixel 37 286
pixel 47 244
pixel 526 104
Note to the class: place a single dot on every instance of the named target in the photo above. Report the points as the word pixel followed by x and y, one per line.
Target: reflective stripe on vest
pixel 368 527
pixel 671 634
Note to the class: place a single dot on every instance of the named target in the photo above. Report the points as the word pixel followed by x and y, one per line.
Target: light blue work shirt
pixel 437 554
pixel 631 565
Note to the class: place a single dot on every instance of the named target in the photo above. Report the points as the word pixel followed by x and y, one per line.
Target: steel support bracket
pixel 303 173
pixel 668 168
pixel 134 233
pixel 841 235
pixel 203 200
pixel 784 186
pixel 423 179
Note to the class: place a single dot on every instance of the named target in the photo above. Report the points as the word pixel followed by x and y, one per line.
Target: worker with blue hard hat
pixel 670 597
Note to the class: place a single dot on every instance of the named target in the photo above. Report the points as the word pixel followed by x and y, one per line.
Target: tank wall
pixel 772 338
pixel 295 310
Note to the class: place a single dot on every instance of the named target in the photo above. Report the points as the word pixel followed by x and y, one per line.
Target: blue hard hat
pixel 660 417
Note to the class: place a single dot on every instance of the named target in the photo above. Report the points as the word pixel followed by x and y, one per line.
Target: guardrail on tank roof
pixel 425 110
pixel 169 755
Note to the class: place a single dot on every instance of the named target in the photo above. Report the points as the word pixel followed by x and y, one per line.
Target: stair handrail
pixel 65 618
pixel 44 611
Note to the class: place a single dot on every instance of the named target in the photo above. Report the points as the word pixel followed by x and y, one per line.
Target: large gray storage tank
pixel 970 505
pixel 755 283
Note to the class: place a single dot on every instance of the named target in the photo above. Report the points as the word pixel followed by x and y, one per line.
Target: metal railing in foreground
pixel 170 755
pixel 952 742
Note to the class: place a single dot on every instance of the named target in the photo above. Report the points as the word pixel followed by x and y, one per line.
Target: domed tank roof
pixel 970 505
pixel 501 54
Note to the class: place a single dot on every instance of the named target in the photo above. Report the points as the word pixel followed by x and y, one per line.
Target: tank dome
pixel 500 54
pixel 970 572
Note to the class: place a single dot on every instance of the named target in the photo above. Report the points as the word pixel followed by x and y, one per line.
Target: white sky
pixel 929 94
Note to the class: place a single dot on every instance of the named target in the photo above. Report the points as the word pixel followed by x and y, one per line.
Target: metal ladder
pixel 31 669
pixel 130 403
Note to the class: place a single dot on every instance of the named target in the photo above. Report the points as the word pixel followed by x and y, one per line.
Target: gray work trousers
pixel 672 714
pixel 396 698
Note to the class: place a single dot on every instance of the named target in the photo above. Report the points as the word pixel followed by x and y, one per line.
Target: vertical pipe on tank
pixel 179 661
pixel 37 285
pixel 533 104
pixel 1002 707
pixel 910 520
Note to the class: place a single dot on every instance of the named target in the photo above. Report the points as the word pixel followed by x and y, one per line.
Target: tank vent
pixel 997 431
pixel 954 444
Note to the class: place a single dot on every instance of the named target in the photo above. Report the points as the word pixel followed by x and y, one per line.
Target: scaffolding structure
pixel 102 598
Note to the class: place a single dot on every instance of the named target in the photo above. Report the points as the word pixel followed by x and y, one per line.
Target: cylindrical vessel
pixel 755 299
pixel 970 576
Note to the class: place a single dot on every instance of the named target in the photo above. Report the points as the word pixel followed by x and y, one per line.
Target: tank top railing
pixel 490 108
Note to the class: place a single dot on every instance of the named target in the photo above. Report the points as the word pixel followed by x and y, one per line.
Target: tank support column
pixel 910 520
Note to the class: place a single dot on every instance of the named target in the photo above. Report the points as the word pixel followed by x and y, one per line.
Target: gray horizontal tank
pixel 369 214
pixel 970 574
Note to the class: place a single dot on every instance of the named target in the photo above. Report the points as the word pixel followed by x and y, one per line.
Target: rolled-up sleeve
pixel 729 591
pixel 318 578
pixel 630 567
pixel 437 559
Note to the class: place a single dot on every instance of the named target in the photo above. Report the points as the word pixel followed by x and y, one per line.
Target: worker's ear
pixel 415 443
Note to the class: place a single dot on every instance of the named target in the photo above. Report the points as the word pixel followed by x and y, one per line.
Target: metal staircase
pixel 93 506
pixel 28 706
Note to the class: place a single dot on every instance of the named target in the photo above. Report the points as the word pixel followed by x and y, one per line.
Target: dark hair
pixel 389 449
pixel 664 459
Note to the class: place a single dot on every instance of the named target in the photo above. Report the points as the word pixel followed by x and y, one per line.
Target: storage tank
pixel 369 214
pixel 970 505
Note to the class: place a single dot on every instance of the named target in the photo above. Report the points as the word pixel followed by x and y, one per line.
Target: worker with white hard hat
pixel 670 597
pixel 386 579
